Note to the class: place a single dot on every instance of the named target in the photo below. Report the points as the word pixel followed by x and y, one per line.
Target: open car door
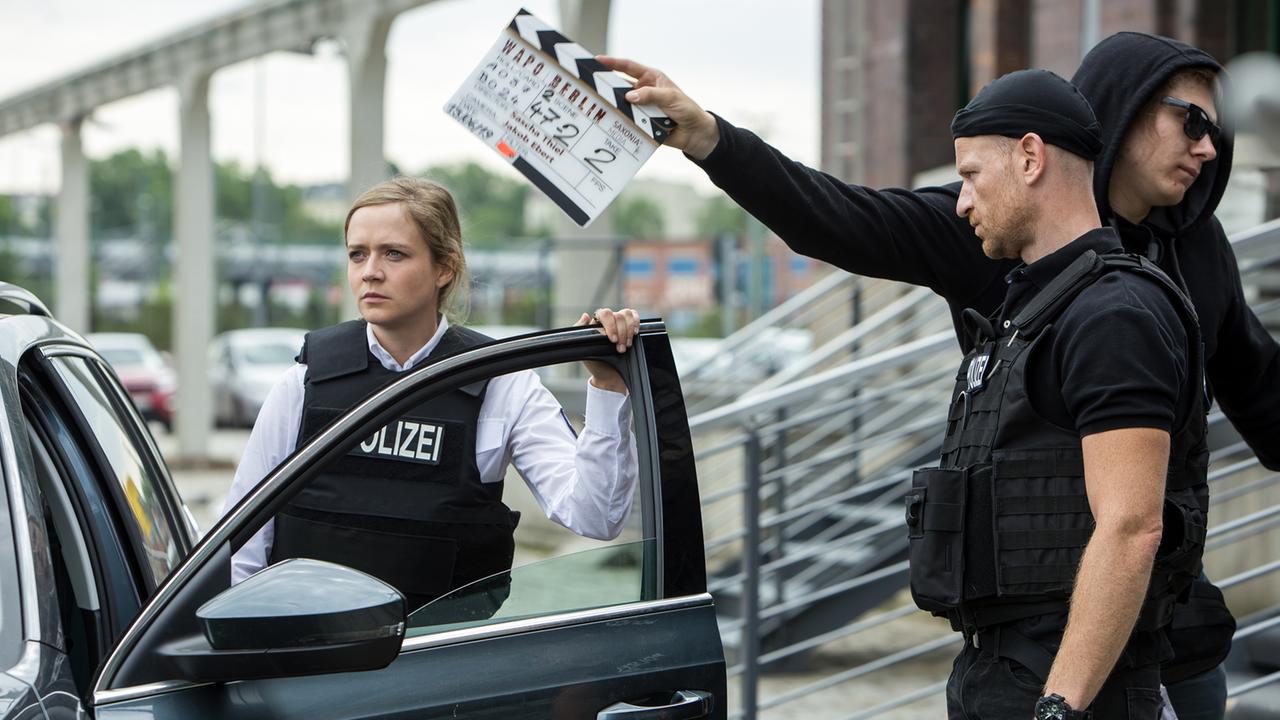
pixel 582 629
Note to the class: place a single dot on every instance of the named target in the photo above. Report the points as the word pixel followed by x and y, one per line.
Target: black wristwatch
pixel 1054 707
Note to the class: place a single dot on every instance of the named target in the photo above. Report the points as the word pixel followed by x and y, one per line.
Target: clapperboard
pixel 558 116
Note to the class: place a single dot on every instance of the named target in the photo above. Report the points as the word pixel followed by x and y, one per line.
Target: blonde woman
pixel 436 521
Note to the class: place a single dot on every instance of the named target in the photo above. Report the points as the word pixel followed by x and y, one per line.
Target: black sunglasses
pixel 1197 122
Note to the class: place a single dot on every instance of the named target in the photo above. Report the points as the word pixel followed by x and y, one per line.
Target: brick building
pixel 679 280
pixel 894 72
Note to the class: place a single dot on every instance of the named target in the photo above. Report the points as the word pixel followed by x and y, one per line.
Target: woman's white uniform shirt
pixel 585 484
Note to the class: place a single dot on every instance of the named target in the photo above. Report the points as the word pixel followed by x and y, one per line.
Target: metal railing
pixel 803 477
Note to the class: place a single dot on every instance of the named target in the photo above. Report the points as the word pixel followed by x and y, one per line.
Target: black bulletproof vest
pixel 997 531
pixel 406 505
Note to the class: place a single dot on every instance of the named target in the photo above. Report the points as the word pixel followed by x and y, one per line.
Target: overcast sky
pixel 753 61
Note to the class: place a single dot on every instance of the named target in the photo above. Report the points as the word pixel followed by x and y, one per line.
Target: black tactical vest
pixel 997 531
pixel 407 505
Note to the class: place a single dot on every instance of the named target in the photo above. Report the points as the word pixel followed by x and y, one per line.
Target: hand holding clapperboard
pixel 559 117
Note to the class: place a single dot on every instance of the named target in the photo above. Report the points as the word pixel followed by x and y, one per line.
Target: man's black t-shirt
pixel 1117 355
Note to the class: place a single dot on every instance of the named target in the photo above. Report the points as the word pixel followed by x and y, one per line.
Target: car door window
pixel 145 509
pixel 559 476
pixel 594 578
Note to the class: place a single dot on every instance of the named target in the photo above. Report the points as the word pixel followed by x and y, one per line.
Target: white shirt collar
pixel 390 363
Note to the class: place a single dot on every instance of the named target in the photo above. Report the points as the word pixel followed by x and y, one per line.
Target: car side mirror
pixel 297 617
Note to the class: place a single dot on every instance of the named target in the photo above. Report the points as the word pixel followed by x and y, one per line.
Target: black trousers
pixel 1203 697
pixel 983 686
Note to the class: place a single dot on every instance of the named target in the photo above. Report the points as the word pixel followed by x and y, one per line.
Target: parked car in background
pixel 112 609
pixel 143 371
pixel 243 365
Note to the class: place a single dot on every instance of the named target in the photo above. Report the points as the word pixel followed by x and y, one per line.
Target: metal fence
pixel 803 481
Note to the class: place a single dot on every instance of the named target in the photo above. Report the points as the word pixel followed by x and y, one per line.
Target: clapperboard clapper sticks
pixel 558 116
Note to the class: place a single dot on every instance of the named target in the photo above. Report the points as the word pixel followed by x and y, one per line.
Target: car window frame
pixel 132 424
pixel 63 505
pixel 119 593
pixel 15 611
pixel 206 572
pixel 678 505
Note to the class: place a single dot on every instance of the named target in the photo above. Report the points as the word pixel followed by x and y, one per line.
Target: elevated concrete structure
pixel 261 28
pixel 186 60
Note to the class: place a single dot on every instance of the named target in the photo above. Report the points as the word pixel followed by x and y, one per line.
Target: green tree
pixel 491 206
pixel 722 216
pixel 9 220
pixel 131 190
pixel 233 193
pixel 297 226
pixel 276 212
pixel 9 226
pixel 44 218
pixel 132 194
pixel 638 217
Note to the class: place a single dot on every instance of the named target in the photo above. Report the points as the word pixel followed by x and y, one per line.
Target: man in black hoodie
pixel 915 237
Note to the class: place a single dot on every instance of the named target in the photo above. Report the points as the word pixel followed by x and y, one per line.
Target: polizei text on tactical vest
pixel 977 372
pixel 405 440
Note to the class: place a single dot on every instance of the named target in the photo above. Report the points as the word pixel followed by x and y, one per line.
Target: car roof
pixel 19 332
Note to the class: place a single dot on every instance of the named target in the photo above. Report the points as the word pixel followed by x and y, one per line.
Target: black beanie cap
pixel 1032 101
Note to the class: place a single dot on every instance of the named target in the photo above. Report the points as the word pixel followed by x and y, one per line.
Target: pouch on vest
pixel 1182 542
pixel 1042 520
pixel 1200 634
pixel 1178 559
pixel 935 531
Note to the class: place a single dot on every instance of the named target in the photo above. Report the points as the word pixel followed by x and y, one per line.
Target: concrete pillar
pixel 195 303
pixel 71 239
pixel 1056 29
pixel 365 38
pixel 998 40
pixel 1090 26
pixel 934 86
pixel 582 265
pixel 1271 176
pixel 886 116
pixel 586 22
pixel 1209 26
pixel 844 101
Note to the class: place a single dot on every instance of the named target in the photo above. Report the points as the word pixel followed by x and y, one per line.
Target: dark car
pixel 110 607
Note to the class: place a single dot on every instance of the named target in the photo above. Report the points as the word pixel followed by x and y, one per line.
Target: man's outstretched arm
pixel 913 237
